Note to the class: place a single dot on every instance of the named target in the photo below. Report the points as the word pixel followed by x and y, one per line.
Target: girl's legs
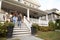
pixel 19 23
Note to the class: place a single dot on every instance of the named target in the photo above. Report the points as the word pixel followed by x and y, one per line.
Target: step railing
pixel 27 22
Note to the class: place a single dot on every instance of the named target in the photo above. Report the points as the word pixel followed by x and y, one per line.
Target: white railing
pixel 43 22
pixel 39 22
pixel 27 22
pixel 34 20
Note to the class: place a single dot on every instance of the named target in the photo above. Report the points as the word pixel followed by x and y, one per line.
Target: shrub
pixel 51 25
pixel 40 28
pixel 57 24
pixel 36 26
pixel 10 24
pixel 3 30
pixel 44 28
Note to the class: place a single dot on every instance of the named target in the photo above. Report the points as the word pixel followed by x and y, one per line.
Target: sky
pixel 49 4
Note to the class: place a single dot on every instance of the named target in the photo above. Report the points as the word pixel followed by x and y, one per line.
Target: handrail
pixel 27 19
pixel 28 23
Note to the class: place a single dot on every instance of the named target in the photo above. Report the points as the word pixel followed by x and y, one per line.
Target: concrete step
pixel 19 27
pixel 20 30
pixel 17 31
pixel 20 35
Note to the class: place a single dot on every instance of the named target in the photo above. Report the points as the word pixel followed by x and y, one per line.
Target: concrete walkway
pixel 28 37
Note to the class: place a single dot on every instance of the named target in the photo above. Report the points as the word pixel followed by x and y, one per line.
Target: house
pixel 51 16
pixel 29 9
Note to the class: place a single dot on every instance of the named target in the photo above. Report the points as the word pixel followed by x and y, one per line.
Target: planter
pixel 9 31
pixel 33 30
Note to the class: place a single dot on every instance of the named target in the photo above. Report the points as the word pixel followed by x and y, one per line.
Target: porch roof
pixel 10 4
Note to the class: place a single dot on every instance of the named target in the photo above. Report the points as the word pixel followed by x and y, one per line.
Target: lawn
pixel 3 38
pixel 52 35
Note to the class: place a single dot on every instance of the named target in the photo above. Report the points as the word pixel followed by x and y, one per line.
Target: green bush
pixel 40 28
pixel 36 26
pixel 51 25
pixel 3 28
pixel 44 28
pixel 9 24
pixel 57 24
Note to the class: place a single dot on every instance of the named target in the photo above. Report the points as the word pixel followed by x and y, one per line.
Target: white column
pixel 0 4
pixel 39 19
pixel 21 1
pixel 28 14
pixel 52 17
pixel 47 17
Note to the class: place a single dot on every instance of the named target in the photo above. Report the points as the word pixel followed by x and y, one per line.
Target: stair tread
pixel 17 31
pixel 21 35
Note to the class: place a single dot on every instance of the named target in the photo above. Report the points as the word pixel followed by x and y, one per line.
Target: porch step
pixel 21 32
pixel 20 35
pixel 19 28
pixel 17 32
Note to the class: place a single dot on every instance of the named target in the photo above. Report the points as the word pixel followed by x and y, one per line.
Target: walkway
pixel 28 37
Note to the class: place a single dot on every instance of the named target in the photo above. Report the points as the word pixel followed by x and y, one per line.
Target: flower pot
pixel 33 30
pixel 9 31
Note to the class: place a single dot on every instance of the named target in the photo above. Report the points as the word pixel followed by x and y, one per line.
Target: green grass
pixel 3 39
pixel 49 35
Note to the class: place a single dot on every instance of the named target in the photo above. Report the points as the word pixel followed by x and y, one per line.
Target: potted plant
pixel 10 27
pixel 34 28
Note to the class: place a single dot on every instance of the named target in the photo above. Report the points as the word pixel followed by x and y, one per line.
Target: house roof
pixel 54 13
pixel 36 2
pixel 9 4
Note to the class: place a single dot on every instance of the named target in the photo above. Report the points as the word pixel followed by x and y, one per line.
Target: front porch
pixel 29 14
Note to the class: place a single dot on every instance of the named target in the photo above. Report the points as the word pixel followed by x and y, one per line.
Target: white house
pixel 28 8
pixel 30 11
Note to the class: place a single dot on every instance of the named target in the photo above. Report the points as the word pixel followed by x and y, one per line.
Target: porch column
pixel 0 4
pixel 39 19
pixel 47 17
pixel 52 17
pixel 27 13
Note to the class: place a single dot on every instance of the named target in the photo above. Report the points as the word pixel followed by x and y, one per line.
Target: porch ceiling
pixel 22 8
pixel 13 7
